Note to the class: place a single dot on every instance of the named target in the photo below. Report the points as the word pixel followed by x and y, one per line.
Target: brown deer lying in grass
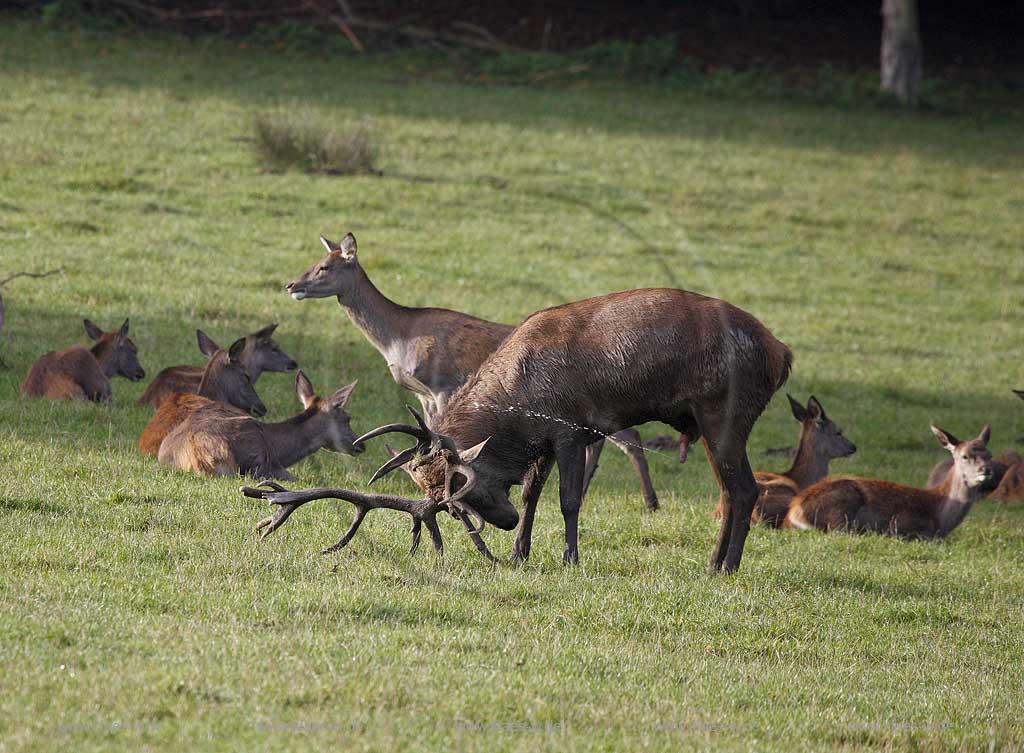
pixel 84 373
pixel 570 374
pixel 821 441
pixel 847 503
pixel 429 351
pixel 214 440
pixel 224 381
pixel 1007 482
pixel 260 354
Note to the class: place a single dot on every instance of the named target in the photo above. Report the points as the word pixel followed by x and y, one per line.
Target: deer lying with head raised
pixel 821 441
pixel 566 376
pixel 429 351
pixel 215 441
pixel 1007 482
pixel 848 503
pixel 261 353
pixel 224 381
pixel 84 373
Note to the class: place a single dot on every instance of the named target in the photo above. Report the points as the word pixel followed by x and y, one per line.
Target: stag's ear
pixel 339 398
pixel 235 351
pixel 815 409
pixel 799 412
pixel 468 456
pixel 206 344
pixel 266 332
pixel 304 390
pixel 986 434
pixel 123 332
pixel 946 439
pixel 348 246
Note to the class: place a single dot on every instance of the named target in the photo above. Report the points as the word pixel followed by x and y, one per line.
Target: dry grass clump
pixel 287 140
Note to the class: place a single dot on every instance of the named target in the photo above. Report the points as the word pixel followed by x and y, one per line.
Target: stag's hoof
pixel 571 557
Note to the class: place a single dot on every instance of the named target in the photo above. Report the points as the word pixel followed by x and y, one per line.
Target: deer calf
pixel 261 353
pixel 821 441
pixel 847 503
pixel 84 373
pixel 215 441
pixel 224 381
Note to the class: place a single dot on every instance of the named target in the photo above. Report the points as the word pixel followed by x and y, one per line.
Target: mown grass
pixel 138 610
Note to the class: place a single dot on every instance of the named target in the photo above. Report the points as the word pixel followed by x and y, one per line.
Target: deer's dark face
pixel 262 353
pixel 117 352
pixel 336 274
pixel 829 439
pixel 229 382
pixel 331 423
pixel 971 459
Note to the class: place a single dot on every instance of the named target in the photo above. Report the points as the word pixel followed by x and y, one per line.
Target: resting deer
pixel 224 381
pixel 570 374
pixel 215 441
pixel 260 354
pixel 84 373
pixel 820 441
pixel 429 351
pixel 847 503
pixel 1007 482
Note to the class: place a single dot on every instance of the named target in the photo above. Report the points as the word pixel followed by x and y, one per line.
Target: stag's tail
pixel 780 359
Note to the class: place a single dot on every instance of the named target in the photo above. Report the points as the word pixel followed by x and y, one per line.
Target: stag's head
pixel 336 274
pixel 450 477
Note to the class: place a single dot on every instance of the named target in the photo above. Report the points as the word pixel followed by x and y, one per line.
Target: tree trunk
pixel 901 50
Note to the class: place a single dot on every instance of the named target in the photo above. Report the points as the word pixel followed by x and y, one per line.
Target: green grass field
pixel 138 610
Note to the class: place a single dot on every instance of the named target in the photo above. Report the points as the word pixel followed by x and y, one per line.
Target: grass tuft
pixel 295 141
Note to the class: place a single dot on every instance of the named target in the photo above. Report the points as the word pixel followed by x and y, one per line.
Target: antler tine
pixel 413 431
pixel 397 461
pixel 419 419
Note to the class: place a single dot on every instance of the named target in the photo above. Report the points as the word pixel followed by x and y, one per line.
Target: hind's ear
pixel 123 332
pixel 206 344
pixel 235 351
pixel 814 408
pixel 799 412
pixel 304 390
pixel 331 246
pixel 986 434
pixel 339 398
pixel 946 439
pixel 94 332
pixel 266 332
pixel 348 246
pixel 1019 393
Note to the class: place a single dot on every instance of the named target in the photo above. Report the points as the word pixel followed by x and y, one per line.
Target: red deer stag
pixel 820 441
pixel 84 373
pixel 214 440
pixel 429 351
pixel 224 381
pixel 566 376
pixel 848 503
pixel 1007 482
pixel 260 354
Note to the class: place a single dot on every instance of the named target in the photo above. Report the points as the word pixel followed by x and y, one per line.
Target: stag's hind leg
pixel 629 441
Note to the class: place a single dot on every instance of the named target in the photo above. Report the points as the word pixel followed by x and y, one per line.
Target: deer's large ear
pixel 815 409
pixel 799 412
pixel 331 246
pixel 304 390
pixel 340 397
pixel 94 332
pixel 468 456
pixel 348 246
pixel 266 332
pixel 946 439
pixel 235 351
pixel 986 434
pixel 123 332
pixel 206 344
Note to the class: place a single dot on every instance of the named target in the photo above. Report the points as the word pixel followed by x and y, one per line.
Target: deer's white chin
pixel 298 296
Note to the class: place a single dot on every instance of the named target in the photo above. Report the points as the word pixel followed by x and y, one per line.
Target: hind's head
pixel 115 351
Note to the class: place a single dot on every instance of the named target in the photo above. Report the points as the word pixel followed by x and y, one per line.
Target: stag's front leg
pixel 532 487
pixel 572 461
